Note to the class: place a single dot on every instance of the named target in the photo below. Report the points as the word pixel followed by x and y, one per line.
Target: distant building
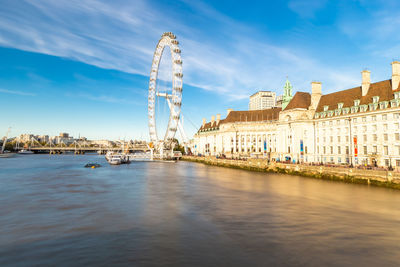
pixel 279 100
pixel 64 135
pixel 267 99
pixel 63 138
pixel 102 143
pixel 43 138
pixel 262 100
pixel 25 138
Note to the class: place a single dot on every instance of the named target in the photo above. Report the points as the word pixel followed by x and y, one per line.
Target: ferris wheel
pixel 173 98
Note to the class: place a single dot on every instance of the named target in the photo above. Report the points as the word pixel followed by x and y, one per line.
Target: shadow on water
pixel 55 212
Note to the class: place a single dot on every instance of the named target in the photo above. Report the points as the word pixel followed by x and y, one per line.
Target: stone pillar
pixel 245 142
pixel 234 143
pixel 395 74
pixel 316 93
pixel 366 81
pixel 240 143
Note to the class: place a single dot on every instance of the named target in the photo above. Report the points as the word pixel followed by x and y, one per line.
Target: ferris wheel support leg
pixel 152 154
pixel 180 127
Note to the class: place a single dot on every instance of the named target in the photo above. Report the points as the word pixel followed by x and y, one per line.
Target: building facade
pixel 262 100
pixel 357 126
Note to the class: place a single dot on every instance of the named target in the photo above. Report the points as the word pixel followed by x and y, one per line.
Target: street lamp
pixel 350 150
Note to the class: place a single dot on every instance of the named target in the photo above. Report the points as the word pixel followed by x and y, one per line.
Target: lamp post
pixel 351 147
pixel 390 163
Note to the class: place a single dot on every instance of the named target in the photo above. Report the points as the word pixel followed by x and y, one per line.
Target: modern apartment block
pixel 262 100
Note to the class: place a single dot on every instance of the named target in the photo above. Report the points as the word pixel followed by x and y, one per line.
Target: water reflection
pixel 55 212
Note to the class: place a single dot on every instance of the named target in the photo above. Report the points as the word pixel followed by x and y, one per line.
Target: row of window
pixel 364 129
pixel 359 108
pixel 382 117
pixel 373 150
pixel 373 137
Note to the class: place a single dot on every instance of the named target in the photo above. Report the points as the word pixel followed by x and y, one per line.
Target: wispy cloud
pixel 306 8
pixel 377 29
pixel 226 57
pixel 14 92
pixel 105 98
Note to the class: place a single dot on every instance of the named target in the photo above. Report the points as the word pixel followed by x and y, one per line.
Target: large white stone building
pixel 358 126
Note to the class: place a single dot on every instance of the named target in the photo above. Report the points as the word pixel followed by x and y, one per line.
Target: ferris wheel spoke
pixel 173 97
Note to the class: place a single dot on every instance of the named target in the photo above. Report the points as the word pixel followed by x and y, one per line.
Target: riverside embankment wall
pixel 384 178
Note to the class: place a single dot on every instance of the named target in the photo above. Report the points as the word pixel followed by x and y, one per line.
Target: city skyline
pixel 89 76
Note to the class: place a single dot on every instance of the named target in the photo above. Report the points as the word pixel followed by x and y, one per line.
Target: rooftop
pixel 382 89
pixel 300 100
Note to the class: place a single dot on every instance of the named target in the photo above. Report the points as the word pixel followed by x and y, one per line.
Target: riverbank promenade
pixel 378 177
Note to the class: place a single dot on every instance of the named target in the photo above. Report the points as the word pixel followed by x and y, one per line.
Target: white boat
pixel 115 161
pixel 123 158
pixel 24 151
pixel 109 155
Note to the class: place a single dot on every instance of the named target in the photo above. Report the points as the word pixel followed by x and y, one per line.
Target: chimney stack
pixel 395 74
pixel 228 111
pixel 366 81
pixel 212 120
pixel 204 122
pixel 316 92
pixel 218 118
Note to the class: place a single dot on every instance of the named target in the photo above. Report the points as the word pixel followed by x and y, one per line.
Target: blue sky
pixel 82 66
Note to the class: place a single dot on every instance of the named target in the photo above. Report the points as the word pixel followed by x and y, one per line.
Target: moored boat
pixel 25 151
pixel 123 158
pixel 115 161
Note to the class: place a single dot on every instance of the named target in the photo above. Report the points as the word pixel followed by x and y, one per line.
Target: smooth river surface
pixel 55 212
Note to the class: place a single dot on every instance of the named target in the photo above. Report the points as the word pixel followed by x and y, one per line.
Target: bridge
pixel 83 150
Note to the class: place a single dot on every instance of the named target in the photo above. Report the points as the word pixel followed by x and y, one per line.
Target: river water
pixel 53 211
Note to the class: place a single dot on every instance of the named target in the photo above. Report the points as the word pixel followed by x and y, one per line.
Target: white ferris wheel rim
pixel 167 39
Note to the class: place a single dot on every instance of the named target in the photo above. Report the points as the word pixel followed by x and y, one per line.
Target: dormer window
pixel 363 108
pixel 326 108
pixel 373 106
pixel 340 105
pixel 375 99
pixel 383 104
pixel 354 109
pixel 356 102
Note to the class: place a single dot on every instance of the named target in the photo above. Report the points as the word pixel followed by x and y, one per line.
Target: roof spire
pixel 287 93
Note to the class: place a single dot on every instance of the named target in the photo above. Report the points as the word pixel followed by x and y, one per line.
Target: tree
pixel 178 147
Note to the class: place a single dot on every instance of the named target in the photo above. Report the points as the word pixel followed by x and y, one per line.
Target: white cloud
pixel 229 59
pixel 105 99
pixel 14 92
